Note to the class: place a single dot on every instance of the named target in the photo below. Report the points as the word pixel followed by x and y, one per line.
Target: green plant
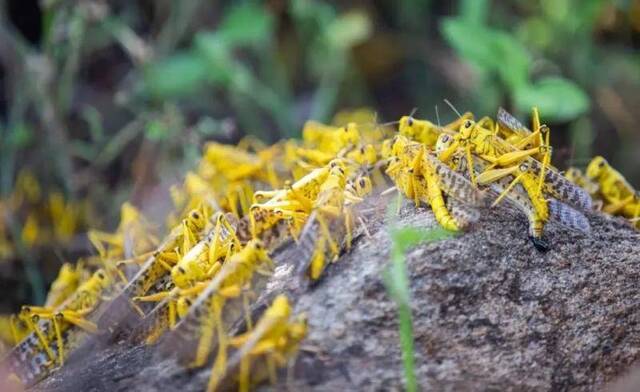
pixel 397 284
pixel 262 85
pixel 503 65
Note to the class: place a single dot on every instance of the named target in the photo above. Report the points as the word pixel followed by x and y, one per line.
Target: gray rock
pixel 489 313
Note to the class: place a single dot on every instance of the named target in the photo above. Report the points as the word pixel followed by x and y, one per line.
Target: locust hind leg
pixel 207 328
pixel 220 363
pixel 326 233
pixel 156 297
pixel 73 317
pixel 32 321
pixel 436 201
pixel 536 229
pixel 464 215
pixel 318 262
pixel 243 384
pixel 56 326
pixel 618 206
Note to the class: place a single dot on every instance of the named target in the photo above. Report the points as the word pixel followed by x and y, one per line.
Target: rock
pixel 489 313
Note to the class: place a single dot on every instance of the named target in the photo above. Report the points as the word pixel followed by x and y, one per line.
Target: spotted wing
pixel 464 214
pixel 455 184
pixel 508 121
pixel 558 186
pixel 567 216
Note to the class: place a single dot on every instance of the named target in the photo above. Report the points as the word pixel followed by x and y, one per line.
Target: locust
pixel 619 197
pixel 200 264
pixel 206 314
pixel 477 141
pixel 231 213
pixel 37 354
pixel 330 226
pixel 275 338
pixel 518 201
pixel 422 177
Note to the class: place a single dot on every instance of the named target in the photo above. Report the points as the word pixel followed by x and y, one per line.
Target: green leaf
pixel 489 50
pixel 246 25
pixel 514 60
pixel 395 279
pixel 310 13
pixel 474 11
pixel 536 32
pixel 407 237
pixel 216 53
pixel 472 43
pixel 177 76
pixel 557 98
pixel 349 29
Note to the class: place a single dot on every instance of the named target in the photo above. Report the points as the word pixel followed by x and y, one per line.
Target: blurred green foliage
pixel 503 65
pixel 107 100
pixel 218 60
pixel 559 56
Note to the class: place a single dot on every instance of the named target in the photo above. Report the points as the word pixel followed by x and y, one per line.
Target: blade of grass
pixel 396 281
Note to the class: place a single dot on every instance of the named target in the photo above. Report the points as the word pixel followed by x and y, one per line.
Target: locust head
pixel 596 167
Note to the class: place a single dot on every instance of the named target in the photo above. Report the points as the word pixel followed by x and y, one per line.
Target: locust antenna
pixel 413 111
pixel 390 123
pixel 452 107
pixel 578 162
pixel 437 116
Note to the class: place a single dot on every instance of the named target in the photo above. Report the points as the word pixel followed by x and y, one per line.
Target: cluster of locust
pixel 196 280
pixel 38 219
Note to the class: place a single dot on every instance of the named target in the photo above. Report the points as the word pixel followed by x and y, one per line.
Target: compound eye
pixel 195 215
pixel 187 301
pixel 410 121
pixel 258 246
pixel 468 124
pixel 182 270
pixel 601 163
pixel 100 275
pixel 445 138
pixel 362 183
pixel 524 167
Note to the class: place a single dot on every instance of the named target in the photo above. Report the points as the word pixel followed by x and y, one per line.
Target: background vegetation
pixel 104 101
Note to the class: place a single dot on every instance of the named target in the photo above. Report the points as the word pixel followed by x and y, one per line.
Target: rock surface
pixel 489 313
